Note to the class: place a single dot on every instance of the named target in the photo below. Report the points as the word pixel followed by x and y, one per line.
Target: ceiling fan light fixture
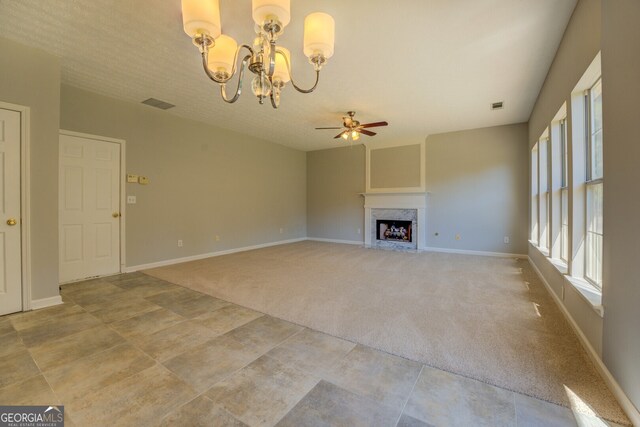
pixel 345 135
pixel 355 135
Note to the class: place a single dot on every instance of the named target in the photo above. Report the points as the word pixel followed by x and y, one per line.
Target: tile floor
pixel 135 350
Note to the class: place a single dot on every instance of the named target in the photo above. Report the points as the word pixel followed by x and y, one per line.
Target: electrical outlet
pixel 506 239
pixel 359 231
pixel 179 243
pixel 217 238
pixel 458 237
pixel 131 200
pixel 281 230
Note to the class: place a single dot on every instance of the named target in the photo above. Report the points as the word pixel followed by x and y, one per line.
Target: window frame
pixel 564 191
pixel 544 192
pixel 535 194
pixel 590 183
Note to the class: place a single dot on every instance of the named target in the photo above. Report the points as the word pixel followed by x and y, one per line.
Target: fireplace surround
pixel 398 208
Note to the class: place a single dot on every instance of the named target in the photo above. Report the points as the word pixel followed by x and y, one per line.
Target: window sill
pixel 589 293
pixel 560 265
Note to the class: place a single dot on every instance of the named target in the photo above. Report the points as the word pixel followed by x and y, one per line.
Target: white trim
pixel 378 146
pixel 91 136
pixel 134 268
pixel 344 242
pixel 123 183
pixel 25 197
pixel 469 252
pixel 626 404
pixel 46 302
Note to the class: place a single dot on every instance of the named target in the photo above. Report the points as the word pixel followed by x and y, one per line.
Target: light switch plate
pixel 132 178
pixel 143 180
pixel 131 200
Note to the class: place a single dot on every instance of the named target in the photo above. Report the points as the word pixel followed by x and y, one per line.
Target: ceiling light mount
pixel 270 63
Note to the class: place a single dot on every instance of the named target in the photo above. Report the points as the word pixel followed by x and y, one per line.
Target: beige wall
pixel 621 94
pixel 580 44
pixel 31 78
pixel 205 181
pixel 335 210
pixel 477 180
pixel 395 167
pixel 477 184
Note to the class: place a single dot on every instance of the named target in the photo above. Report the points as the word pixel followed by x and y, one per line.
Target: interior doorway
pixel 90 206
pixel 15 292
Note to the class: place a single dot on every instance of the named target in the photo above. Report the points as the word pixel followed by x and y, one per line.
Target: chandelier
pixel 270 63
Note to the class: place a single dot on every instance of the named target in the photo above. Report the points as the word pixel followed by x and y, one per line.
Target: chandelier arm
pixel 286 60
pixel 272 58
pixel 273 101
pixel 223 91
pixel 212 76
pixel 306 90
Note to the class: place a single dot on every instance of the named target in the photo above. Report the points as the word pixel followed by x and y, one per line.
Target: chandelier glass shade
pixel 270 63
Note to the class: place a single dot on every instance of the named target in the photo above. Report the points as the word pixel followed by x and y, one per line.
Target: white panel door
pixel 10 224
pixel 89 208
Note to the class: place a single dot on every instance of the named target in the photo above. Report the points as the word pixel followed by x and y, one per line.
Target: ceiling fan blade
pixel 367 132
pixel 339 135
pixel 372 125
pixel 329 128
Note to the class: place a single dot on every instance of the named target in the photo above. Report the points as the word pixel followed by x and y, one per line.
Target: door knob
pixel 11 221
pixel 115 214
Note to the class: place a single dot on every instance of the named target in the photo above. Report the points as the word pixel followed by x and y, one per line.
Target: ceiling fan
pixel 352 128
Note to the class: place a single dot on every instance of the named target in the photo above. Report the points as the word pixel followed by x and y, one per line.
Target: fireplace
pixel 394 230
pixel 401 210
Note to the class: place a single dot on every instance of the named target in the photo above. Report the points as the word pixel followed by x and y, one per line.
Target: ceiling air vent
pixel 158 104
pixel 497 105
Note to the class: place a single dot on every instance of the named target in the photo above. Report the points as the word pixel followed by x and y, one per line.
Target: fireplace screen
pixel 399 231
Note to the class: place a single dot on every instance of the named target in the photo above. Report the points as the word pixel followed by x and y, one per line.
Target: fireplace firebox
pixel 393 230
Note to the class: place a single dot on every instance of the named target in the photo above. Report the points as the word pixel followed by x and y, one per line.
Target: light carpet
pixel 486 318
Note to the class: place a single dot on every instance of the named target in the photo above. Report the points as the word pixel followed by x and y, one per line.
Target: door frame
pixel 123 182
pixel 25 197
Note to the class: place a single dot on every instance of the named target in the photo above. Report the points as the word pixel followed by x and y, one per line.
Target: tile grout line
pixel 410 394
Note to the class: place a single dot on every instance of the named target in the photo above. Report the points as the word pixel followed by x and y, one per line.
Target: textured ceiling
pixel 425 66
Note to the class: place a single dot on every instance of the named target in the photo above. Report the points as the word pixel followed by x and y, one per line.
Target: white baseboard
pixel 468 252
pixel 134 268
pixel 344 242
pixel 626 404
pixel 45 302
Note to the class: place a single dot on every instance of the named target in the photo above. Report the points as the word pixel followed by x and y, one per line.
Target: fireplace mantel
pixel 396 200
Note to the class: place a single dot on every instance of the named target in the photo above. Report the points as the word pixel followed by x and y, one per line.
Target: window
pixel 595 176
pixel 543 190
pixel 534 194
pixel 564 192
